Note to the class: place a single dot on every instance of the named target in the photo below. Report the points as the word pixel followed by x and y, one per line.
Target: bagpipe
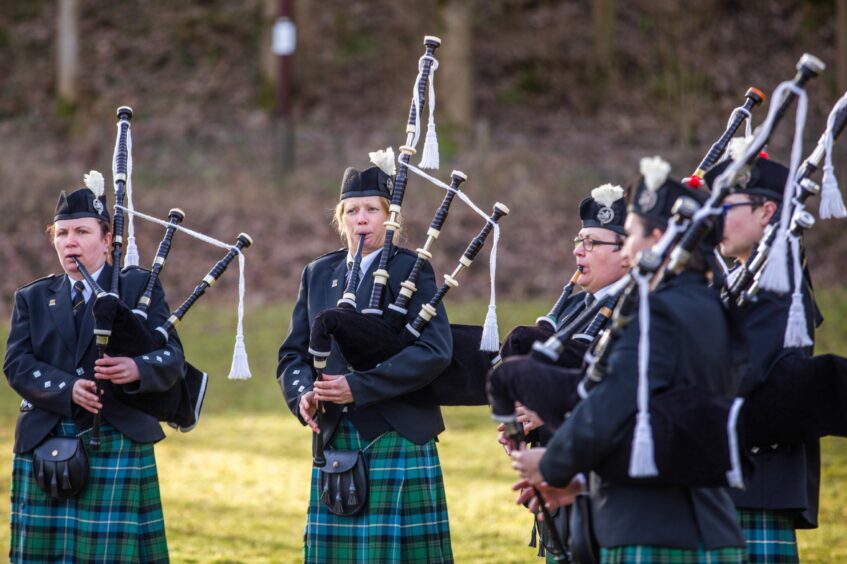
pixel 664 429
pixel 373 334
pixel 120 328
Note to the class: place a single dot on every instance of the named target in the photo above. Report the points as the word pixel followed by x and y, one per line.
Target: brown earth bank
pixel 546 127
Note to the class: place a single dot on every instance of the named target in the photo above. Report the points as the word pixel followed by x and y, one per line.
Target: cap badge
pixel 98 206
pixel 605 215
pixel 647 200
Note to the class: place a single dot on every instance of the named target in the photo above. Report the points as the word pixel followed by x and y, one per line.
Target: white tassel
pixel 775 275
pixel 490 332
pixel 642 462
pixel 796 330
pixel 429 158
pixel 490 341
pixel 734 476
pixel 832 204
pixel 240 369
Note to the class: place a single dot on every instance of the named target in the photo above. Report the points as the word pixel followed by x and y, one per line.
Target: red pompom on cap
pixel 693 182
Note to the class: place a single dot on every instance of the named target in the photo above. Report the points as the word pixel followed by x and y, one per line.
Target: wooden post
pixel 841 45
pixel 67 52
pixel 284 43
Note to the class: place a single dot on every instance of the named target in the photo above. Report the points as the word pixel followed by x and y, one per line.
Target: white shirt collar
pixel 367 261
pixel 88 291
pixel 604 291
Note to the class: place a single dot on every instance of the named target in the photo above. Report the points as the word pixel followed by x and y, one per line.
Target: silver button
pixel 754 450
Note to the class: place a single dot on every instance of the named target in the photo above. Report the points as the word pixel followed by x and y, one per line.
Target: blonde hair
pixel 338 219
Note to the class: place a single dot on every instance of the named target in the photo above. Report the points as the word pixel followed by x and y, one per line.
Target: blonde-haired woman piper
pixel 404 518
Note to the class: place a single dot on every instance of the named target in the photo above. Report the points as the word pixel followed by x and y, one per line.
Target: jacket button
pixel 336 464
pixel 774 446
pixel 754 450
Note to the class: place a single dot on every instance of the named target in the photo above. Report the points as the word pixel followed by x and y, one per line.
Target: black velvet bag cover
pixel 364 340
pixel 520 339
pixel 547 389
pixel 60 466
pixel 463 381
pixel 178 405
pixel 344 482
pixel 802 399
pixel 584 546
pixel 690 440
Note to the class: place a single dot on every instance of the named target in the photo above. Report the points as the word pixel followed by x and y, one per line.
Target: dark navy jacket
pixel 45 356
pixel 377 392
pixel 785 477
pixel 681 353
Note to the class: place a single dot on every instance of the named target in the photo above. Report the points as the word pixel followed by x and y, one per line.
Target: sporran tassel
pixel 429 158
pixel 325 492
pixel 352 497
pixel 338 505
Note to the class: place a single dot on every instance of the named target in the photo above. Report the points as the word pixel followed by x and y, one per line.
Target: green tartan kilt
pixel 116 518
pixel 637 554
pixel 405 519
pixel 770 535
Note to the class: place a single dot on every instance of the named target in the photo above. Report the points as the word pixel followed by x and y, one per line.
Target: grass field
pixel 235 489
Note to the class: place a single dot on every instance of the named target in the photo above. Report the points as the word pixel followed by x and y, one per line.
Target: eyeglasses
pixel 726 207
pixel 588 243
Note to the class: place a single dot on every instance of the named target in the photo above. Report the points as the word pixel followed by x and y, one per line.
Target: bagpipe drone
pixel 119 329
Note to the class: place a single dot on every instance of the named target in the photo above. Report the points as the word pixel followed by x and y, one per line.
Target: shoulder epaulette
pixel 34 282
pixel 332 253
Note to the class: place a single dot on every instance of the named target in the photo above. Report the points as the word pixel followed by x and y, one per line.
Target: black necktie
pixel 78 303
pixel 350 272
pixel 78 300
pixel 589 299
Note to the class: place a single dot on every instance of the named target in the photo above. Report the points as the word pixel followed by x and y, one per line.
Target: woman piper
pixel 60 512
pixel 405 514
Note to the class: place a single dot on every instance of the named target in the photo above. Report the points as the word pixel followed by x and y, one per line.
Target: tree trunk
pixel 266 56
pixel 841 54
pixel 456 68
pixel 603 14
pixel 67 55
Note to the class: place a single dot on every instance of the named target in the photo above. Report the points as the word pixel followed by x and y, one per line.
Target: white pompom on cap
pixel 94 182
pixel 384 159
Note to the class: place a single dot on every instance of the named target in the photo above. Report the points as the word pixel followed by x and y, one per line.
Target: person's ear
pixel 769 208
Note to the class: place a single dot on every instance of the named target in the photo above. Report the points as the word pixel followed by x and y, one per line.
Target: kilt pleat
pixel 116 518
pixel 648 554
pixel 770 535
pixel 405 519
